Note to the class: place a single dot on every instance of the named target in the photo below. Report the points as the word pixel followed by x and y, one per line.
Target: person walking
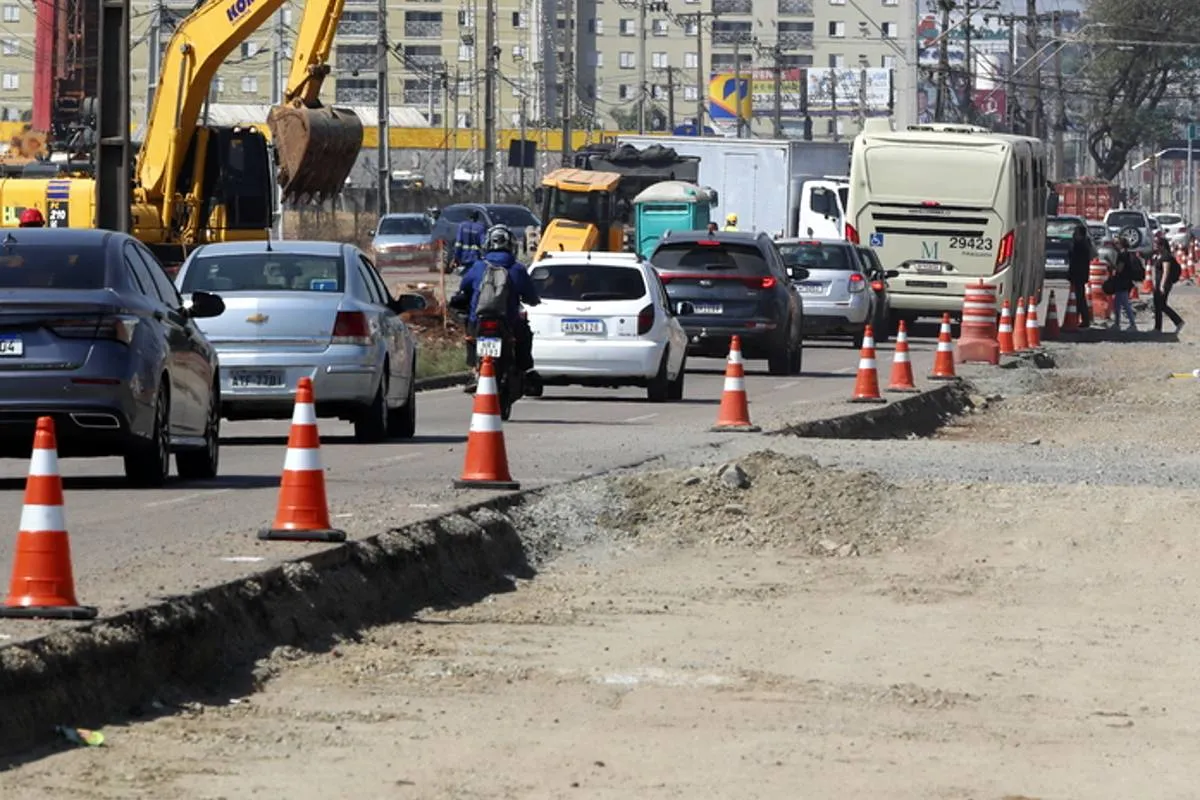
pixel 1166 273
pixel 1121 282
pixel 1079 262
pixel 469 241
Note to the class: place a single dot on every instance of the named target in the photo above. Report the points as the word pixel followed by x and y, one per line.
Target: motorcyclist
pixel 499 249
pixel 468 241
pixel 32 218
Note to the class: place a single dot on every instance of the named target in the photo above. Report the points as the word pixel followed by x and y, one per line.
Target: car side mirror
pixel 798 273
pixel 371 232
pixel 204 305
pixel 891 273
pixel 409 301
pixel 684 308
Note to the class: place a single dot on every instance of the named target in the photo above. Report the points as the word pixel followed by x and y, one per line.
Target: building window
pixel 689 61
pixel 628 61
pixel 518 19
pixel 658 92
pixel 249 49
pixel 12 81
pixel 628 28
pixel 689 28
pixel 219 85
pixel 659 60
pixel 837 2
pixel 890 30
pixel 837 30
pixel 10 47
pixel 659 27
pixel 599 27
pixel 891 2
pixel 837 61
pixel 689 93
pixel 599 59
pixel 466 52
pixel 888 62
pixel 12 13
pixel 623 91
pixel 249 85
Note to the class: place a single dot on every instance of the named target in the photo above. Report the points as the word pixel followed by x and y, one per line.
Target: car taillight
pixel 851 233
pixel 1005 253
pixel 857 282
pixel 115 328
pixel 645 320
pixel 877 286
pixel 351 327
pixel 489 326
pixel 768 282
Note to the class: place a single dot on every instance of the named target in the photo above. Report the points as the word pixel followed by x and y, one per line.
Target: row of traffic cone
pixel 866 384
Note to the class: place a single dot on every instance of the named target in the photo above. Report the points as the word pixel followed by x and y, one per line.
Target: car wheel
pixel 659 388
pixel 780 358
pixel 372 423
pixel 147 464
pixel 675 388
pixel 195 465
pixel 402 422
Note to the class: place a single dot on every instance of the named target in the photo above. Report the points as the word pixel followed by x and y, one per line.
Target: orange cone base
pixel 470 483
pixel 903 390
pixel 977 351
pixel 49 612
pixel 942 377
pixel 734 427
pixel 301 535
pixel 868 400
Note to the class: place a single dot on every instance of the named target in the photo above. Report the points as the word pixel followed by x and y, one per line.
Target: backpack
pixel 493 292
pixel 1137 269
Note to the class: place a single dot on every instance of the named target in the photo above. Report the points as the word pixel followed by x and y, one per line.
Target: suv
pixel 519 219
pixel 729 283
pixel 1132 226
pixel 844 287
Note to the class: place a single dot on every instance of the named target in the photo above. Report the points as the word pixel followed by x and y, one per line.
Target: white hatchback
pixel 605 320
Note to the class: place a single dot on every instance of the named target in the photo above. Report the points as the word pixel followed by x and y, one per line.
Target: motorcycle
pixel 493 338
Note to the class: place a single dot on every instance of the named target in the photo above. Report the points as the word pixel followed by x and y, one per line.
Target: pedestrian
pixel 1079 262
pixel 1121 282
pixel 468 244
pixel 1167 271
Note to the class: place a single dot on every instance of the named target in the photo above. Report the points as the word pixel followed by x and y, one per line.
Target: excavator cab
pixel 582 211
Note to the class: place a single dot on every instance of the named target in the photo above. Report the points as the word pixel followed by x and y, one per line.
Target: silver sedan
pixel 311 309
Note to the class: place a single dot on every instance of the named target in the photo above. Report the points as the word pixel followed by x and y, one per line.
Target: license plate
pixel 488 347
pixel 927 267
pixel 1055 262
pixel 11 346
pixel 811 288
pixel 707 308
pixel 926 284
pixel 260 379
pixel 584 326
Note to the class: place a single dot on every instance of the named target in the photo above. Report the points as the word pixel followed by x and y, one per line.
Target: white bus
pixel 947 205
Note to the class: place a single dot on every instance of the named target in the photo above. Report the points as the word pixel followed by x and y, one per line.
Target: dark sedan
pixel 1059 231
pixel 93 334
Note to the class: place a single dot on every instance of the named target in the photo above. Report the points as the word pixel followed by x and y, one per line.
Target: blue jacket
pixel 521 288
pixel 469 242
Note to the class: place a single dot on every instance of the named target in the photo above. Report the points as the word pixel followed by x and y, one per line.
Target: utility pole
pixel 670 98
pixel 862 99
pixel 833 102
pixel 489 104
pixel 1010 86
pixel 451 128
pixel 737 80
pixel 567 82
pixel 454 141
pixel 277 89
pixel 700 81
pixel 641 57
pixel 155 56
pixel 383 151
pixel 778 76
pixel 1036 125
pixel 524 101
pixel 1060 106
pixel 968 98
pixel 943 80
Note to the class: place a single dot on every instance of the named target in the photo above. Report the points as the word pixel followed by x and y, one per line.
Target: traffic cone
pixel 486 462
pixel 303 511
pixel 1148 284
pixel 1020 332
pixel 1071 321
pixel 943 360
pixel 1051 330
pixel 1033 330
pixel 1087 291
pixel 866 385
pixel 902 373
pixel 1005 332
pixel 734 414
pixel 43 583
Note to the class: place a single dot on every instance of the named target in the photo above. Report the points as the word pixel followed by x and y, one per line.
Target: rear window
pixel 1060 228
pixel 586 282
pixel 817 256
pixel 1169 219
pixel 692 257
pixel 1126 219
pixel 265 272
pixel 404 226
pixel 51 267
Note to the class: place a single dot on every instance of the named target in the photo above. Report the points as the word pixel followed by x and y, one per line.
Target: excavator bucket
pixel 316 148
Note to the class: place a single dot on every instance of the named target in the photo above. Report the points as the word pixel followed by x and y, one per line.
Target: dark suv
pixel 519 219
pixel 733 283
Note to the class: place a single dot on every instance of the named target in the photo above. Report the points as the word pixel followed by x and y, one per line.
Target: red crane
pixel 66 51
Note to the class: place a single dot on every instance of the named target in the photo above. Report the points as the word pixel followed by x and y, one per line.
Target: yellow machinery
pixel 580 211
pixel 193 183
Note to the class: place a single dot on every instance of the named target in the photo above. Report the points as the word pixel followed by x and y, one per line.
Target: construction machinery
pixel 580 211
pixel 195 183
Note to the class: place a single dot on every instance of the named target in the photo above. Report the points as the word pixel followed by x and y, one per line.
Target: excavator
pixel 195 183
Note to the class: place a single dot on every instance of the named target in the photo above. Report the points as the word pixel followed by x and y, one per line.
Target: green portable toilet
pixel 670 206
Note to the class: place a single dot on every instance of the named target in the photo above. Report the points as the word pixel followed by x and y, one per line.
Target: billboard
pixel 849 91
pixel 725 94
pixel 757 92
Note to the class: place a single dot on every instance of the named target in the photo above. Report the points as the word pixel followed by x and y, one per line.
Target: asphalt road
pixel 131 546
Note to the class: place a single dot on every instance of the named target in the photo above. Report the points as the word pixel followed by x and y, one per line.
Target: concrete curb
pixel 444 381
pixel 919 414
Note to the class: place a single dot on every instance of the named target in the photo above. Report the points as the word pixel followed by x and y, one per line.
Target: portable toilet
pixel 670 206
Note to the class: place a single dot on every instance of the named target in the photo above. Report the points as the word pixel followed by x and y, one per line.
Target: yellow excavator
pixel 580 211
pixel 194 183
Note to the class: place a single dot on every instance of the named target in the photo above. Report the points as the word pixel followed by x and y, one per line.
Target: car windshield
pixel 1060 228
pixel 265 272
pixel 719 257
pixel 51 266
pixel 817 256
pixel 1126 219
pixel 513 217
pixel 1169 219
pixel 584 282
pixel 404 226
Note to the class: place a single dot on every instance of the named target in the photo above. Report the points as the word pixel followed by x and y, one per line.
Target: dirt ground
pixel 774 631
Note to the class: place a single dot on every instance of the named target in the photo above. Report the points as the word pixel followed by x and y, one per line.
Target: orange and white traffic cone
pixel 43 583
pixel 943 360
pixel 1004 333
pixel 1033 329
pixel 486 463
pixel 1071 321
pixel 734 414
pixel 1087 292
pixel 1148 284
pixel 303 511
pixel 866 385
pixel 902 372
pixel 1051 330
pixel 1019 328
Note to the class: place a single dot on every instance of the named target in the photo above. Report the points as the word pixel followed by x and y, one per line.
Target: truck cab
pixel 581 211
pixel 669 206
pixel 823 207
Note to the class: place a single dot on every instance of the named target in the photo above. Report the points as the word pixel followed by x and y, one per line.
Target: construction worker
pixel 32 218
pixel 731 222
pixel 468 244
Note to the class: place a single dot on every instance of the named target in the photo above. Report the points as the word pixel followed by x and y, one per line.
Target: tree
pixel 1145 57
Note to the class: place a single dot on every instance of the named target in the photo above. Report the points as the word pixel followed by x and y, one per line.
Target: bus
pixel 948 205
